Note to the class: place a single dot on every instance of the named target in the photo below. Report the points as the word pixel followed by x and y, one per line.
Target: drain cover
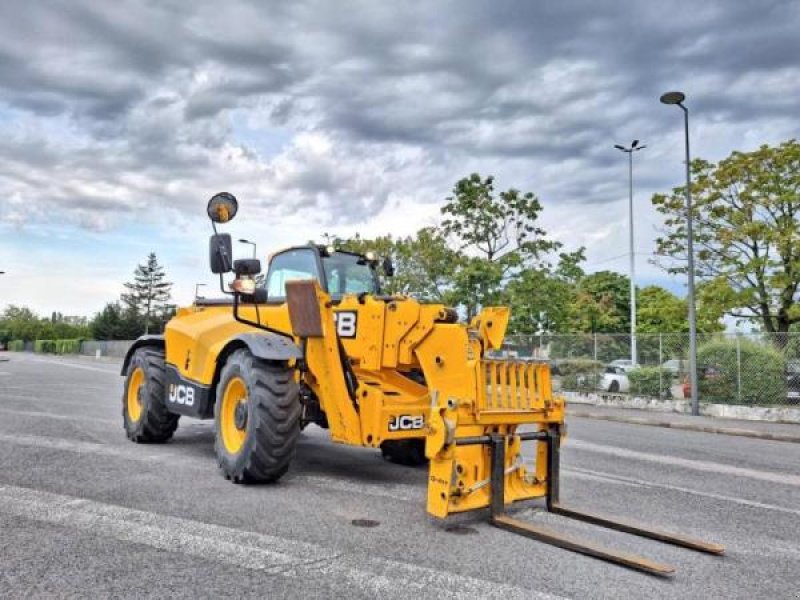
pixel 460 529
pixel 365 523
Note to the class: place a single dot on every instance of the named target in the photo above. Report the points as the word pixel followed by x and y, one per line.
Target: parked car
pixel 615 379
pixel 624 363
pixel 793 381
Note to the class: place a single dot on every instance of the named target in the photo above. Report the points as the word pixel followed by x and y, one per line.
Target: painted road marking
pixel 696 465
pixel 270 554
pixel 621 480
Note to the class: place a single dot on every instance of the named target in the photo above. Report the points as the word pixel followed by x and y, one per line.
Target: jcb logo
pixel 181 394
pixel 406 422
pixel 346 321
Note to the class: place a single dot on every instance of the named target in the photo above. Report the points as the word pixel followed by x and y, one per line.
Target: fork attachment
pixel 499 517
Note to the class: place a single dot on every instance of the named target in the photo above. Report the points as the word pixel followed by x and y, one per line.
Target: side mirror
pixel 222 207
pixel 247 266
pixel 388 267
pixel 220 251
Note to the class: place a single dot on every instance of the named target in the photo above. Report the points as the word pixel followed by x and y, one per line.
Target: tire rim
pixel 134 402
pixel 233 427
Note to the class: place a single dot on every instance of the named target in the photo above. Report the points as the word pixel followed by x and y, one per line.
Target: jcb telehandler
pixel 319 343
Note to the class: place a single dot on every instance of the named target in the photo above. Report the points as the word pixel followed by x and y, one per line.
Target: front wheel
pixel 144 410
pixel 257 416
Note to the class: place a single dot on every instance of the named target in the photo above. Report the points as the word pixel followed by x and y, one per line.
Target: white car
pixel 615 379
pixel 625 364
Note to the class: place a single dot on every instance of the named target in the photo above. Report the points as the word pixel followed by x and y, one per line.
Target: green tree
pixel 660 311
pixel 601 304
pixel 148 293
pixel 498 235
pixel 747 233
pixel 115 322
pixel 541 299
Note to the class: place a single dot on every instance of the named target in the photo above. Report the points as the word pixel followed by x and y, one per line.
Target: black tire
pixel 271 424
pixel 410 453
pixel 614 387
pixel 154 423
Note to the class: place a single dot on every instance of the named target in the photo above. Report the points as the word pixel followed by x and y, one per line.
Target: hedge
pixel 57 346
pixel 580 374
pixel 650 381
pixel 762 378
pixel 16 345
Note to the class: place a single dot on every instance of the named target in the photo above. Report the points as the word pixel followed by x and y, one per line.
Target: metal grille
pixel 513 385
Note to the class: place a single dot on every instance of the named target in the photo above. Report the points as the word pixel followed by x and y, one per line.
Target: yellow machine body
pixel 464 392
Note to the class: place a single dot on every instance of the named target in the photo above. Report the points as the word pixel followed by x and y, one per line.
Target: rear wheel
pixel 405 452
pixel 144 410
pixel 614 387
pixel 257 416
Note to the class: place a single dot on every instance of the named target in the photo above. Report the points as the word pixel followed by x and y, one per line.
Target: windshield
pixel 348 274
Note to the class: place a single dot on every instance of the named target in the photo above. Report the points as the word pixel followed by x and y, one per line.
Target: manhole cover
pixel 365 523
pixel 460 529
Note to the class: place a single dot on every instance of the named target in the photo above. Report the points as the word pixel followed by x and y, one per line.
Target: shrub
pixel 57 346
pixel 580 374
pixel 16 345
pixel 763 373
pixel 650 381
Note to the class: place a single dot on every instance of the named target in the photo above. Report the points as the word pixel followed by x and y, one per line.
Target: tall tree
pixel 747 233
pixel 541 299
pixel 149 292
pixel 498 235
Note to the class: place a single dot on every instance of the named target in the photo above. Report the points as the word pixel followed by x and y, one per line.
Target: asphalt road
pixel 86 513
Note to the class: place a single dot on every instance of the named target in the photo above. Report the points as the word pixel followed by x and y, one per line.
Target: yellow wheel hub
pixel 233 415
pixel 135 385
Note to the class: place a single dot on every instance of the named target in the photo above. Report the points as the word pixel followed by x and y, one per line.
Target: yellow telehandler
pixel 318 342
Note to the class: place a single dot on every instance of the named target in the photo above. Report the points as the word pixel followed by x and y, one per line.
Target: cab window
pixel 292 265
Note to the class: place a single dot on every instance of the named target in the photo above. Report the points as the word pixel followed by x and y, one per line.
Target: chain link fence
pixel 756 369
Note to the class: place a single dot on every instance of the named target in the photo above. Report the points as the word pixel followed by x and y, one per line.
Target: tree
pixel 747 233
pixel 149 292
pixel 601 304
pixel 116 323
pixel 541 299
pixel 498 235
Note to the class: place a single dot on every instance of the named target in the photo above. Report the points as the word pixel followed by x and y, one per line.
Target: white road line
pixel 47 415
pixel 675 461
pixel 273 555
pixel 70 365
pixel 621 480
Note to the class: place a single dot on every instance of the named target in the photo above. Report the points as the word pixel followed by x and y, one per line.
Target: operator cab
pixel 338 272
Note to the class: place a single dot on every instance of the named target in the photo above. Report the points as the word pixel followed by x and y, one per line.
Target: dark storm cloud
pixel 133 103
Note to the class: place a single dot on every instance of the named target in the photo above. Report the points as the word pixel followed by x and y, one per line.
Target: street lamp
pixel 635 147
pixel 677 98
pixel 197 287
pixel 253 244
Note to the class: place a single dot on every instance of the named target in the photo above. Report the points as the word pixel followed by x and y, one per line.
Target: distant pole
pixel 677 98
pixel 253 244
pixel 634 147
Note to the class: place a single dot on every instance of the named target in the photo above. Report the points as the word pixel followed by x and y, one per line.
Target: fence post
pixel 738 370
pixel 660 370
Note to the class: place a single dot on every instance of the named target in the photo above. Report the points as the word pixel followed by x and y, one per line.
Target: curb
pixel 750 433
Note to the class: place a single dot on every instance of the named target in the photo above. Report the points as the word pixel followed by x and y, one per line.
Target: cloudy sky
pixel 119 120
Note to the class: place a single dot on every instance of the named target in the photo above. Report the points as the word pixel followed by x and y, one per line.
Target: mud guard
pixel 154 341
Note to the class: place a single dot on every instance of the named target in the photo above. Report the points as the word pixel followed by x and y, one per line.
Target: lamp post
pixel 253 244
pixel 634 147
pixel 677 98
pixel 197 287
